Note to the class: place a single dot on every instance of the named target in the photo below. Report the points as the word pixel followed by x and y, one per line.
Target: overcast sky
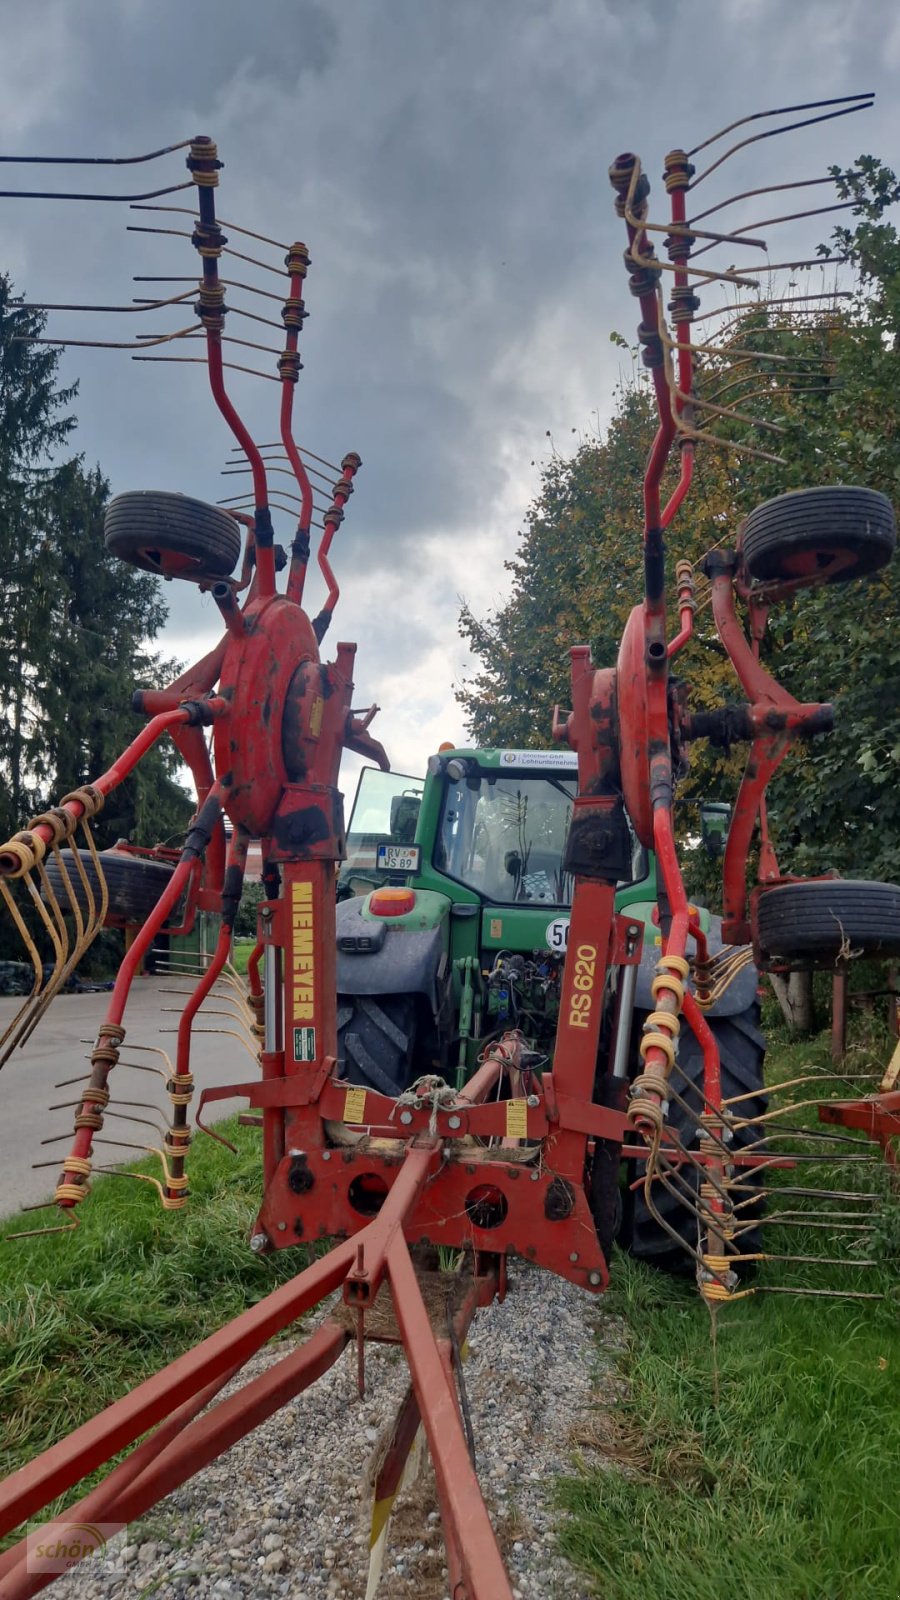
pixel 446 163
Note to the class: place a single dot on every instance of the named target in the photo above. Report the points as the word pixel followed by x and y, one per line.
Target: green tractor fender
pixel 738 996
pixel 396 954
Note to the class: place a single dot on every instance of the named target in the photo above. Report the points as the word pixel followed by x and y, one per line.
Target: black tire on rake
pixel 172 534
pixel 801 535
pixel 134 883
pixel 828 919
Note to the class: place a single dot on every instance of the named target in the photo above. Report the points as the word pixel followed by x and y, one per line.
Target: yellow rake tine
pixel 98 868
pixel 32 949
pixel 22 1023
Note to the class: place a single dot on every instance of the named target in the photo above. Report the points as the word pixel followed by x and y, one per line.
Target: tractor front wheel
pixel 827 534
pixel 172 535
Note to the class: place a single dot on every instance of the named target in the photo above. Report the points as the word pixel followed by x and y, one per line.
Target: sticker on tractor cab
pixel 304 1044
pixel 556 935
pixel 398 857
pixel 539 758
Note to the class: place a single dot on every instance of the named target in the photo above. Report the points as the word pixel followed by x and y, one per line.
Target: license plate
pixel 398 857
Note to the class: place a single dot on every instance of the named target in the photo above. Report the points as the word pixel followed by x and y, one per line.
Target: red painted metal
pixel 878 1116
pixel 297 263
pixel 179 1455
pixel 115 774
pixel 632 704
pixel 489 1169
pixel 464 1511
pixel 777 719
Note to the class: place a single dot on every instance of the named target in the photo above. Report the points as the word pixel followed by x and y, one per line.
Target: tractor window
pixel 505 837
pixel 385 811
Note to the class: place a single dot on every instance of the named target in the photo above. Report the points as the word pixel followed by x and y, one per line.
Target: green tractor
pixel 452 927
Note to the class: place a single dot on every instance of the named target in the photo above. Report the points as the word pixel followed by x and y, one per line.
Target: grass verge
pixel 786 1484
pixel 241 951
pixel 86 1316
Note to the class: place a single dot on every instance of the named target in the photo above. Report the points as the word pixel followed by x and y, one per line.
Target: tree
pixel 75 625
pixel 103 614
pixel 34 423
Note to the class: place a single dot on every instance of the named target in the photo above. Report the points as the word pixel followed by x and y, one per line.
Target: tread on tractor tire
pixel 800 535
pixel 808 923
pixel 376 1034
pixel 742 1049
pixel 134 882
pixel 172 534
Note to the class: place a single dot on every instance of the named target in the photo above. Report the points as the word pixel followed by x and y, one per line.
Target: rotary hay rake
pixel 515 1162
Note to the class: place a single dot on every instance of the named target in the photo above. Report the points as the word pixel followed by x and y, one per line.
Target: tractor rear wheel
pixel 808 532
pixel 376 1034
pixel 830 918
pixel 134 882
pixel 742 1050
pixel 172 535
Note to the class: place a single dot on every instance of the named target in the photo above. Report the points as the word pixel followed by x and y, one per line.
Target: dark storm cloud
pixel 446 163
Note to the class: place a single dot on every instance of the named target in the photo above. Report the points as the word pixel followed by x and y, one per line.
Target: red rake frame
pixel 435 1167
pixel 456 1172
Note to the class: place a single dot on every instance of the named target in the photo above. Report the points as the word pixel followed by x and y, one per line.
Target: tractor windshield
pixel 382 830
pixel 505 836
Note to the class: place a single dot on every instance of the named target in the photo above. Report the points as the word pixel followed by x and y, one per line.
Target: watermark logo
pixel 59 1546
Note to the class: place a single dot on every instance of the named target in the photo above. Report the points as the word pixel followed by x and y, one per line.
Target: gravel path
pixel 285 1512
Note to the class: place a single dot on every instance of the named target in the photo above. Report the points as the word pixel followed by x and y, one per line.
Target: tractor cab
pixel 453 912
pixel 501 831
pixel 381 837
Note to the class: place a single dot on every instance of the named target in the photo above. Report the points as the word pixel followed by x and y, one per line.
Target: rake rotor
pixel 725 342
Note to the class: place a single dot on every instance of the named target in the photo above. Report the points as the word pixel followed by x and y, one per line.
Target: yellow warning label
pixel 355 1106
pixel 315 716
pixel 496 928
pixel 516 1119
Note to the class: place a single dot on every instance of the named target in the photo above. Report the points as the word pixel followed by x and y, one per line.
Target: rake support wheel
pixel 835 534
pixel 134 882
pixel 171 534
pixel 806 924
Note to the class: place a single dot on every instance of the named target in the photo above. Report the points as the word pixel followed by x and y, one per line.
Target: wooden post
pixel 839 1013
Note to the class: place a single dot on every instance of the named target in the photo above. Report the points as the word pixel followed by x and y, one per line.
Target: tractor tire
pixel 376 1035
pixel 742 1049
pixel 813 923
pixel 605 1195
pixel 798 535
pixel 172 535
pixel 134 882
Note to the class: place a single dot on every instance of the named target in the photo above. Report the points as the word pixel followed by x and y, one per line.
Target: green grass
pixel 786 1484
pixel 84 1316
pixel 241 951
pixel 786 1487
